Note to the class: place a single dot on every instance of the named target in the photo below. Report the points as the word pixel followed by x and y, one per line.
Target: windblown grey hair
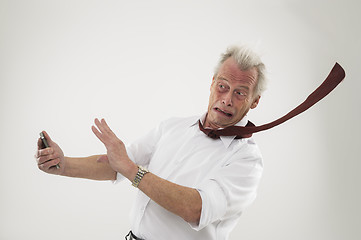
pixel 246 59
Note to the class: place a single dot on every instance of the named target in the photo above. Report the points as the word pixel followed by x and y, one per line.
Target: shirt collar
pixel 227 140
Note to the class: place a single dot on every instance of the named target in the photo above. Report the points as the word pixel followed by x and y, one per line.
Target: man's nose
pixel 227 99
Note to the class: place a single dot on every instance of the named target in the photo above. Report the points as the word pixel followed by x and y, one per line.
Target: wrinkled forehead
pixel 231 71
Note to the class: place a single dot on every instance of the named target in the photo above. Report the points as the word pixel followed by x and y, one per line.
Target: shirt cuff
pixel 119 178
pixel 214 204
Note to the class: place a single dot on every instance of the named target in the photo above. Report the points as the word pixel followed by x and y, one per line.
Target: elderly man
pixel 191 186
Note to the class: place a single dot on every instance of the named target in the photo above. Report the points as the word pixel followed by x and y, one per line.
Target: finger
pixel 40 144
pixel 46 158
pixel 107 133
pixel 43 152
pixel 46 165
pixel 42 160
pixel 46 135
pixel 110 130
pixel 105 126
pixel 100 126
pixel 98 134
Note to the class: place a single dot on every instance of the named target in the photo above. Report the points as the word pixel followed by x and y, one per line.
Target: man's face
pixel 231 95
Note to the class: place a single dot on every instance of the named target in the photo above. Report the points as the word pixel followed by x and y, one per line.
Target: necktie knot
pixel 212 134
pixel 209 132
pixel 239 132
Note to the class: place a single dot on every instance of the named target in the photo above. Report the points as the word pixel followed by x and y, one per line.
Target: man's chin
pixel 217 121
pixel 221 123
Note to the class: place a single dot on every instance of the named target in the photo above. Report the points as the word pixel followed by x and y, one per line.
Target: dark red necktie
pixel 336 75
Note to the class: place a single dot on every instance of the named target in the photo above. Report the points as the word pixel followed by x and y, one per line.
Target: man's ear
pixel 213 79
pixel 255 102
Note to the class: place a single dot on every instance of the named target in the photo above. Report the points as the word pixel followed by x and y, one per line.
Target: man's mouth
pixel 227 114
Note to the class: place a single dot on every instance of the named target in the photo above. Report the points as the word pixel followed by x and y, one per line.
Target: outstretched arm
pixel 85 167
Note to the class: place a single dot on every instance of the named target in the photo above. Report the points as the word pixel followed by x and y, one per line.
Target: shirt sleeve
pixel 231 188
pixel 140 151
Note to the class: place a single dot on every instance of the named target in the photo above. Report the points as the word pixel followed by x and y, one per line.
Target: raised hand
pixel 116 153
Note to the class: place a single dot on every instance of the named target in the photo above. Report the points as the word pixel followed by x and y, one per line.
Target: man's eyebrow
pixel 245 87
pixel 222 78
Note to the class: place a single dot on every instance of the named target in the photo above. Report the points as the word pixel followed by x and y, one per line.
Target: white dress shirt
pixel 225 171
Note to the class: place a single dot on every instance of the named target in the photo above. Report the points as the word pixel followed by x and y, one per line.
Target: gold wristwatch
pixel 140 174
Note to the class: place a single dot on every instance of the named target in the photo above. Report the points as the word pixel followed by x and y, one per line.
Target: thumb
pixel 103 159
pixel 46 135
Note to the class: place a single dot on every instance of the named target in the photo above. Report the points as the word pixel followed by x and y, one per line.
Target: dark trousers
pixel 131 236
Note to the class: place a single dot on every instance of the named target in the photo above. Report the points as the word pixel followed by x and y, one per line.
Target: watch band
pixel 140 174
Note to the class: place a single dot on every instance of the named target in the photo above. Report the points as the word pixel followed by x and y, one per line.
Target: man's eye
pixel 222 87
pixel 240 93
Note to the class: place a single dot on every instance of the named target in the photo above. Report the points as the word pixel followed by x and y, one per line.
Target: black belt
pixel 131 236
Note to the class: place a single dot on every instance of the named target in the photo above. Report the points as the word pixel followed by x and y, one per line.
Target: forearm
pixel 88 167
pixel 182 201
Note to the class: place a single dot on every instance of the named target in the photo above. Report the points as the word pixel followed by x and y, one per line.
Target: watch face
pixel 144 170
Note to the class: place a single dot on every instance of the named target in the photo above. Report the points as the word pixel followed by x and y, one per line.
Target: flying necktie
pixel 336 75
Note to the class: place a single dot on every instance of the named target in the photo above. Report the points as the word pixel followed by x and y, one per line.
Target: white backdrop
pixel 136 63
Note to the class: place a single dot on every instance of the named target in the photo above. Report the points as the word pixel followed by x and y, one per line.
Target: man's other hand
pixel 48 158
